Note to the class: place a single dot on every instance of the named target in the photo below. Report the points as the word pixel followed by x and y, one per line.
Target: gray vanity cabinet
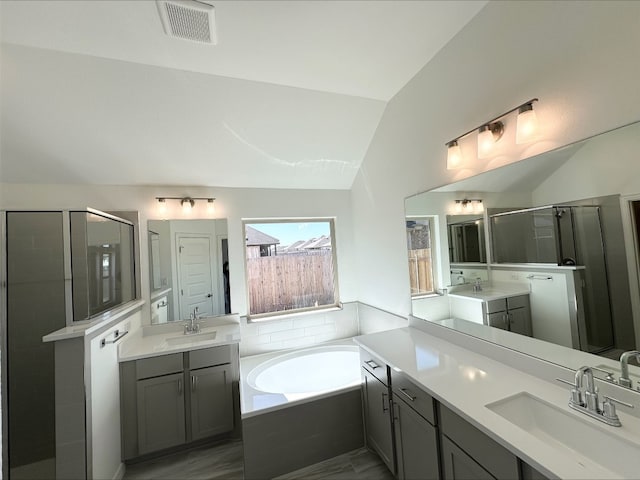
pixel 416 437
pixel 468 453
pixel 211 401
pixel 161 412
pixel 377 407
pixel 511 313
pixel 171 400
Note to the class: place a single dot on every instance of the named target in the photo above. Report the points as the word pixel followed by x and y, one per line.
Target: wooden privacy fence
pixel 285 282
pixel 420 271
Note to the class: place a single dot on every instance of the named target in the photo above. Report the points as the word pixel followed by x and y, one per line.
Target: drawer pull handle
pixel 372 364
pixel 384 407
pixel 179 387
pixel 409 396
pixel 194 382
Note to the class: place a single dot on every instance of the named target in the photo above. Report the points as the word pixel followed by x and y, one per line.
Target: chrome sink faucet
pixel 476 286
pixel 584 398
pixel 625 381
pixel 192 326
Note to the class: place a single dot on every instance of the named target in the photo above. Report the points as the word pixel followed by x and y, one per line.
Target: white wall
pixel 579 58
pixel 234 204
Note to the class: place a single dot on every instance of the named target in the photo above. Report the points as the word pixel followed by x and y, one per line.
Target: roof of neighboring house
pixel 256 237
pixel 314 243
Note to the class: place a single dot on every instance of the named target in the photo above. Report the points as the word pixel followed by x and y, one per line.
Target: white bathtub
pixel 274 380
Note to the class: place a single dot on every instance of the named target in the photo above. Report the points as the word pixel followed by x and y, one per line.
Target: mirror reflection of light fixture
pixel 527 124
pixel 187 203
pixel 468 205
pixel 490 132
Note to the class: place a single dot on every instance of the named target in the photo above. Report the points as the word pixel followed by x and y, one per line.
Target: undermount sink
pixel 191 338
pixel 593 447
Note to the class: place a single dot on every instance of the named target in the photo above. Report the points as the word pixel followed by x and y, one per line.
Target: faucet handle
pixel 576 395
pixel 609 374
pixel 609 410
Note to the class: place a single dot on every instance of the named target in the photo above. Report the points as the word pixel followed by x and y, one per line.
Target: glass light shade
pixel 454 156
pixel 162 206
pixel 458 206
pixel 527 126
pixel 478 206
pixel 211 208
pixel 187 206
pixel 485 141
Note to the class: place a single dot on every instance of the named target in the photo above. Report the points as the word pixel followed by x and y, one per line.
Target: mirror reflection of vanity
pixel 562 228
pixel 188 269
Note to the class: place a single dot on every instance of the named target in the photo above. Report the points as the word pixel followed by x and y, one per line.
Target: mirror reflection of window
pixel 420 249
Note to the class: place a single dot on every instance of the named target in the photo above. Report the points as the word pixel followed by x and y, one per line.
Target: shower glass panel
pixel 35 308
pixel 591 254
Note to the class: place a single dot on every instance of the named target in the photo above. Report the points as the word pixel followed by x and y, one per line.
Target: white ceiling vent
pixel 188 20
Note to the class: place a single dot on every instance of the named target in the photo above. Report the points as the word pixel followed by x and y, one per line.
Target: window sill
pixel 267 317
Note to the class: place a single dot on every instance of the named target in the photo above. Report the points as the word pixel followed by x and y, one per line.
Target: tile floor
pixel 224 461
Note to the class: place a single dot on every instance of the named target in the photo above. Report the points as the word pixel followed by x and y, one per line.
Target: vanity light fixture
pixel 454 156
pixel 187 204
pixel 490 132
pixel 527 123
pixel 488 135
pixel 468 205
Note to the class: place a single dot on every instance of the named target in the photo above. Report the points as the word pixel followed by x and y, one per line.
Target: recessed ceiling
pixel 290 96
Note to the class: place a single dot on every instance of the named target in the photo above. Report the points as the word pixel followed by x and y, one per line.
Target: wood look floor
pixel 225 462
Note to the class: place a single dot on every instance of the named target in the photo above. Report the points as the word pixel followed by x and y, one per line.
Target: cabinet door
pixel 498 320
pixel 416 444
pixel 161 417
pixel 520 321
pixel 378 418
pixel 211 401
pixel 457 465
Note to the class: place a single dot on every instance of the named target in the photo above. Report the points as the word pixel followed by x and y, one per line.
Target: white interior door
pixel 195 275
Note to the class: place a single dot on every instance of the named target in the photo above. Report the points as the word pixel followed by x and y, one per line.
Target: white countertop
pixel 96 324
pixel 489 293
pixel 151 341
pixel 466 381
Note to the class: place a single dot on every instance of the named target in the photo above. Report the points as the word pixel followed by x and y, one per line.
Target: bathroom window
pixel 420 249
pixel 290 266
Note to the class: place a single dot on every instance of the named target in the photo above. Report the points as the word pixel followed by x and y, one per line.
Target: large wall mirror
pixel 188 269
pixel 559 230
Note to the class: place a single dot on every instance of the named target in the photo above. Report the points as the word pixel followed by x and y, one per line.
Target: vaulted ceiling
pixel 94 92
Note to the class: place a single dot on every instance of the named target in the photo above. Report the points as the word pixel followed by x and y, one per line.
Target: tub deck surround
pixel 256 402
pixel 466 382
pixel 156 340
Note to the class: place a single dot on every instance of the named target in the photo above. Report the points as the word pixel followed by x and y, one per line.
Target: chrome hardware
pixel 404 392
pixel 194 382
pixel 610 377
pixel 585 400
pixel 384 407
pixel 192 326
pixel 625 381
pixel 373 365
pixel 160 305
pixel 476 286
pixel 117 336
pixel 179 387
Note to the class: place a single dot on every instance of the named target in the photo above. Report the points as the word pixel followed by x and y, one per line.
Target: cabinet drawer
pixel 496 459
pixel 374 365
pixel 156 366
pixel 518 301
pixel 413 395
pixel 499 305
pixel 209 357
